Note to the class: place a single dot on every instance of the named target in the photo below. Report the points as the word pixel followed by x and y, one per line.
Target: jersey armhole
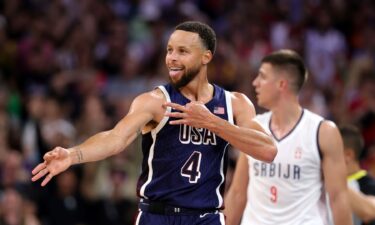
pixel 165 118
pixel 228 101
pixel 317 140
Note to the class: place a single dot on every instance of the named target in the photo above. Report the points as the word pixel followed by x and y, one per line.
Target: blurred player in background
pixel 358 179
pixel 292 190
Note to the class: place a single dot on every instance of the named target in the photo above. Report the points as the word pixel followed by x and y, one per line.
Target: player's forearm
pixel 234 206
pixel 361 205
pixel 98 147
pixel 250 141
pixel 341 209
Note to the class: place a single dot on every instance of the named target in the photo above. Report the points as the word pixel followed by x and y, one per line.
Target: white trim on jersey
pixel 228 100
pixel 153 134
pixel 219 196
pixel 222 218
pixel 138 217
pixel 169 109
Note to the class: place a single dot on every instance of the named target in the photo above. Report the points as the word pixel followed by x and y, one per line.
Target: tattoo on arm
pixel 78 155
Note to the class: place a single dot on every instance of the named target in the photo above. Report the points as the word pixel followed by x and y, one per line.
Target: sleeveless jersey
pixel 288 191
pixel 185 166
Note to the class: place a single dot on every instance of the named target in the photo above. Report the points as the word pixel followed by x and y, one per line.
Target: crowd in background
pixel 70 68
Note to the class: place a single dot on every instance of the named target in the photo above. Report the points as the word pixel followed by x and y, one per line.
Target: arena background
pixel 70 68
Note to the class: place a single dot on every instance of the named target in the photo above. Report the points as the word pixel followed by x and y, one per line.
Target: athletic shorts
pixel 146 218
pixel 157 213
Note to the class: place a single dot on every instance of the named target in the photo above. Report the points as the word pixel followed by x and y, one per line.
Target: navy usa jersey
pixel 182 165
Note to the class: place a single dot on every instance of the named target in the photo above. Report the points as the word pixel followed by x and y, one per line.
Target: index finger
pixel 175 106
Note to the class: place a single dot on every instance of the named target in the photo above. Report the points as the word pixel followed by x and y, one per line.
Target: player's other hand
pixel 194 114
pixel 55 162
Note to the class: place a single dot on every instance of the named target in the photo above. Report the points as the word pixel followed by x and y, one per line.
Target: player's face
pixel 184 57
pixel 266 86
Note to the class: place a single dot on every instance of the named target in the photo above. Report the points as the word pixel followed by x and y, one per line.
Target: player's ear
pixel 350 153
pixel 283 84
pixel 348 156
pixel 206 57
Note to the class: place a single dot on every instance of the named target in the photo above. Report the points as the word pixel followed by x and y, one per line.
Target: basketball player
pixel 358 179
pixel 186 127
pixel 363 207
pixel 310 161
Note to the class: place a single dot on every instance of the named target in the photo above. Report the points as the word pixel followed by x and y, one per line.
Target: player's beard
pixel 185 79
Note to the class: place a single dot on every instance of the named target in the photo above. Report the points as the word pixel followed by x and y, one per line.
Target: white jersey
pixel 288 191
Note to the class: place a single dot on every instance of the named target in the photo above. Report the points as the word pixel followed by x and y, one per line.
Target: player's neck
pixel 285 116
pixel 199 89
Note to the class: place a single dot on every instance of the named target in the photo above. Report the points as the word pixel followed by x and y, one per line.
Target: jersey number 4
pixel 191 167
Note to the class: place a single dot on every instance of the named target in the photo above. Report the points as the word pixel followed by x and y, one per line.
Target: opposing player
pixel 186 127
pixel 310 160
pixel 359 181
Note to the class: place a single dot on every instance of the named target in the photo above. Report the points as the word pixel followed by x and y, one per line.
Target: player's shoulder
pixel 236 94
pixel 329 137
pixel 240 98
pixel 153 95
pixel 241 104
pixel 150 100
pixel 328 127
pixel 312 115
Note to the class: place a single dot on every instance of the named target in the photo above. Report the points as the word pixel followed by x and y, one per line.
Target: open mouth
pixel 174 71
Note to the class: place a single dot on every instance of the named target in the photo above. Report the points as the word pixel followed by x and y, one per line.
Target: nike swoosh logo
pixel 203 215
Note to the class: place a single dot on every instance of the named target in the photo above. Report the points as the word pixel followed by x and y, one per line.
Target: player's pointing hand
pixel 55 162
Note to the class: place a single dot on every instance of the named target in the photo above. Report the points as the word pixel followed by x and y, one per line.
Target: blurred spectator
pixel 312 98
pixel 36 53
pixel 93 118
pixel 33 145
pixel 369 162
pixel 64 205
pixel 16 210
pixel 367 117
pixel 325 50
pixel 113 201
pixel 56 129
pixel 13 173
pixel 8 51
pixel 113 48
pixel 5 128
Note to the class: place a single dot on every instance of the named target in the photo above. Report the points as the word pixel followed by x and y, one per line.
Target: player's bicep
pixel 333 163
pixel 243 110
pixel 143 109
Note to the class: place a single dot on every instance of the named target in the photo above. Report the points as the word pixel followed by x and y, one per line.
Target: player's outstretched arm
pixel 235 199
pixel 247 135
pixel 362 205
pixel 104 144
pixel 334 172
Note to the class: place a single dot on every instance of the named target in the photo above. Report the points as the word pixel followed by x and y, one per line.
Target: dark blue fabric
pixel 168 183
pixel 157 219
